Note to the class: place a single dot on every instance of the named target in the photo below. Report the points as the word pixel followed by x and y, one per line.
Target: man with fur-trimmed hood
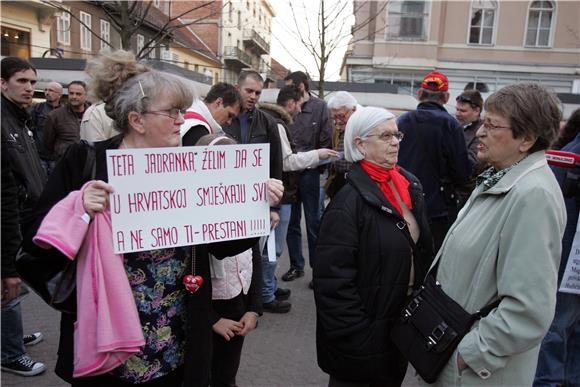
pixel 287 107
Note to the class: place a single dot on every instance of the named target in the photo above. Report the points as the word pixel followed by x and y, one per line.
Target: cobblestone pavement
pixel 281 352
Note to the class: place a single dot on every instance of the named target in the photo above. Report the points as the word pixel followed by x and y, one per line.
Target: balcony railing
pixel 253 39
pixel 233 53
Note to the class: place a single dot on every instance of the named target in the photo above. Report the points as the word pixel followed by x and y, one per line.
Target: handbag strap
pixel 481 313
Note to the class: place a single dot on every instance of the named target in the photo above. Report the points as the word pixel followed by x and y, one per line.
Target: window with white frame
pixel 482 21
pixel 85 31
pixel 140 43
pixel 407 20
pixel 539 24
pixel 165 52
pixel 157 3
pixel 105 35
pixel 63 28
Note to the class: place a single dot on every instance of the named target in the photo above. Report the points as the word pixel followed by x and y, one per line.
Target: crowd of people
pixel 468 198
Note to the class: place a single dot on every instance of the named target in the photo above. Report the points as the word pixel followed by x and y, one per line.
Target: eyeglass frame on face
pixel 489 126
pixel 388 137
pixel 171 113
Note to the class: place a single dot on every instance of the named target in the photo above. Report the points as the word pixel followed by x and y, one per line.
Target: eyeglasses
pixel 171 113
pixel 491 126
pixel 388 137
pixel 464 98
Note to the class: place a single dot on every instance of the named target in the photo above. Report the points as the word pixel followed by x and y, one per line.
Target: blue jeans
pixel 12 332
pixel 270 282
pixel 559 359
pixel 309 188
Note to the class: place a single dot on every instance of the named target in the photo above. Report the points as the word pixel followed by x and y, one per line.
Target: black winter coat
pixel 67 177
pixel 23 154
pixel 361 277
pixel 263 130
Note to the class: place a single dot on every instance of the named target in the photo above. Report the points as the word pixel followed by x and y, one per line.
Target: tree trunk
pixel 125 33
pixel 322 68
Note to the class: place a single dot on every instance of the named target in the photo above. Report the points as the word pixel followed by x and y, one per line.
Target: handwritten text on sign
pixel 169 197
pixel 571 279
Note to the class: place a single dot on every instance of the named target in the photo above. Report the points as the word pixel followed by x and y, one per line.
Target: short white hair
pixel 360 125
pixel 342 99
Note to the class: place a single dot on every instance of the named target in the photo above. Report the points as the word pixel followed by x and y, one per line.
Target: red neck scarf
pixel 382 176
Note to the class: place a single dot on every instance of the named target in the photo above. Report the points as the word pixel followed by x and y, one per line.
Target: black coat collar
pixel 372 194
pixel 15 110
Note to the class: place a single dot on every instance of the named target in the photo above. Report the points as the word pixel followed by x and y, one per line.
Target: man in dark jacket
pixel 468 107
pixel 434 150
pixel 39 113
pixel 63 125
pixel 558 358
pixel 253 126
pixel 312 129
pixel 22 182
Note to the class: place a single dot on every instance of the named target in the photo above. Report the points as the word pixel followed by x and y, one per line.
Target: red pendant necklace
pixel 192 281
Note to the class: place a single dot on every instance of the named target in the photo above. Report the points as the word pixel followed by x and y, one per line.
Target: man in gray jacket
pixel 312 129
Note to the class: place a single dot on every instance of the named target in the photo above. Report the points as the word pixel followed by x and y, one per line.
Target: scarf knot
pixel 383 176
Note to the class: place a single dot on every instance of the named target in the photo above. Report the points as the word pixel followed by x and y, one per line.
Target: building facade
pixel 481 44
pixel 239 31
pixel 26 28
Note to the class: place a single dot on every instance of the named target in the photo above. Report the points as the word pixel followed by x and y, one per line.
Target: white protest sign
pixel 169 197
pixel 571 279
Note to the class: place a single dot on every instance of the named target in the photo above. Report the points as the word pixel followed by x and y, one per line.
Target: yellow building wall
pixel 25 18
pixel 190 60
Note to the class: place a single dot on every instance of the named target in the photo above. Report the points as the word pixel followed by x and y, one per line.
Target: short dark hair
pixel 288 92
pixel 298 77
pixel 80 83
pixel 432 96
pixel 531 110
pixel 472 97
pixel 226 92
pixel 12 65
pixel 249 74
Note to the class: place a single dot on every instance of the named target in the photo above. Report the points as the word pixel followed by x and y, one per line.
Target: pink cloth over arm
pixel 108 330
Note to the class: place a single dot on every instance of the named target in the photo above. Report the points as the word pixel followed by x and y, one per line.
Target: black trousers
pixel 227 354
pixel 172 379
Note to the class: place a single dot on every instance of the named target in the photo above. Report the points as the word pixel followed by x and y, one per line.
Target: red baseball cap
pixel 435 81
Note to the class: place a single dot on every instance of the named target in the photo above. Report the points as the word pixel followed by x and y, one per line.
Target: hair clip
pixel 142 92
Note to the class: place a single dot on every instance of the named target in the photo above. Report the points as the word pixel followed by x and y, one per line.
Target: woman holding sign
pixel 172 303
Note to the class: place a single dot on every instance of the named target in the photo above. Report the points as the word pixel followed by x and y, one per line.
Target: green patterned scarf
pixel 491 176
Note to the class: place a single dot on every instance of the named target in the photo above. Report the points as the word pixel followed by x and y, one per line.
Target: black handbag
pixel 431 326
pixel 53 276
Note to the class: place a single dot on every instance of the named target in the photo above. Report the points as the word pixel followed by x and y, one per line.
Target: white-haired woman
pixel 365 268
pixel 341 105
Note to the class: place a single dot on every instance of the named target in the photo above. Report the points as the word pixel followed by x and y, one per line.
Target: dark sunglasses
pixel 467 99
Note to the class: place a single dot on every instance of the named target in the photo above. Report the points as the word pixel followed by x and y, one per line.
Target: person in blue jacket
pixel 434 150
pixel 560 352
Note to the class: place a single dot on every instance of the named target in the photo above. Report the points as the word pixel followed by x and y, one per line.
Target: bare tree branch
pixel 331 30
